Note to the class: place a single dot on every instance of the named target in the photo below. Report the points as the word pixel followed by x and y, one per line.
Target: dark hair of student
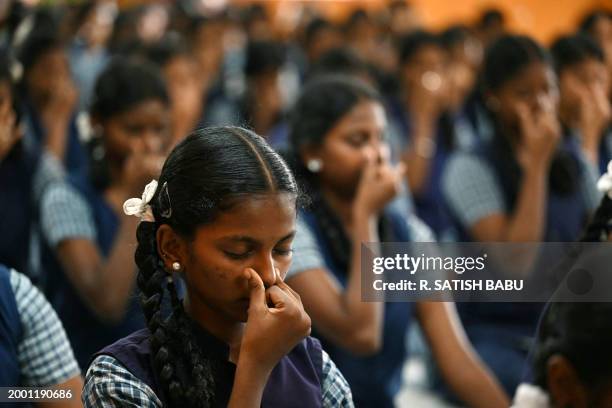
pixel 123 85
pixel 339 61
pixel 580 332
pixel 491 17
pixel 575 49
pixel 37 43
pixel 163 51
pixel 412 43
pixel 322 103
pixel 264 56
pixel 505 59
pixel 314 27
pixel 587 25
pixel 455 35
pixel 210 171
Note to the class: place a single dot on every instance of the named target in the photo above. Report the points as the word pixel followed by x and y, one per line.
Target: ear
pixel 310 152
pixel 170 246
pixel 564 386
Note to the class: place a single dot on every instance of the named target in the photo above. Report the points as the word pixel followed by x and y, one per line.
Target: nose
pixel 266 270
pixel 148 142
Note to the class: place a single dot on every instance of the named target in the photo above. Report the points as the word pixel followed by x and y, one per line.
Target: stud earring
pixel 176 266
pixel 314 165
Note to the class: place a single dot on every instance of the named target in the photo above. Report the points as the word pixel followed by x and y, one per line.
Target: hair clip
pixel 166 209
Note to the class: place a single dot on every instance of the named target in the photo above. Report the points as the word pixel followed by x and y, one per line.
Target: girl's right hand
pixel 540 134
pixel 380 182
pixel 272 331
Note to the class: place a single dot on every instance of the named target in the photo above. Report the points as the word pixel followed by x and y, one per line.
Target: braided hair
pixel 210 171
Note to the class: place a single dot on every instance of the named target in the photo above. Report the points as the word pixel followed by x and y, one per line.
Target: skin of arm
pixel 458 363
pixel 75 386
pixel 340 314
pixel 105 285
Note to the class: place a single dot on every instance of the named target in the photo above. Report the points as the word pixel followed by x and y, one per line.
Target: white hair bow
pixel 140 206
pixel 604 184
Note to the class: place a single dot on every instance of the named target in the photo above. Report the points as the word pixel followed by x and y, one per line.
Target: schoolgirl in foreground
pixel 223 218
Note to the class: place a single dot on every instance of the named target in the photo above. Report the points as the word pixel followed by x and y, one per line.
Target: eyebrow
pixel 250 240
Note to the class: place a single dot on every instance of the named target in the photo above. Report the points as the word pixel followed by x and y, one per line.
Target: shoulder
pixel 109 384
pixel 307 253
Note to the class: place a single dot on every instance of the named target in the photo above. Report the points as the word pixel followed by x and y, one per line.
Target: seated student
pixel 185 88
pixel 90 243
pixel 222 218
pixel 338 150
pixel 24 173
pixel 525 185
pixel 49 99
pixel 572 358
pixel 34 349
pixel 423 127
pixel 584 108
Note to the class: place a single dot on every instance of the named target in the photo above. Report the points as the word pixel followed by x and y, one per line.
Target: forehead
pixel 150 111
pixel 260 217
pixel 366 114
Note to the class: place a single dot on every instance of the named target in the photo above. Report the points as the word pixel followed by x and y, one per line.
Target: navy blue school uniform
pixel 86 331
pixel 502 332
pixel 11 333
pixel 17 207
pixel 374 380
pixel 295 381
pixel 429 203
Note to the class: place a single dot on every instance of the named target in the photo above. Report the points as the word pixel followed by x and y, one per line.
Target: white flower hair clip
pixel 604 184
pixel 140 206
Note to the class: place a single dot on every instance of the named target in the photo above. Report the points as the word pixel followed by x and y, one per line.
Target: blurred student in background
pixel 34 349
pixel 423 130
pixel 339 153
pixel 49 97
pixel 184 84
pixel 89 254
pixel 584 108
pixel 25 171
pixel 528 184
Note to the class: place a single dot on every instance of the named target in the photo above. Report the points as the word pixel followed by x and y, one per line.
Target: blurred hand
pixel 594 114
pixel 138 170
pixel 380 182
pixel 60 105
pixel 276 321
pixel 540 134
pixel 427 97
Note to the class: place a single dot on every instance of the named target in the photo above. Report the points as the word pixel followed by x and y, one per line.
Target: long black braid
pixel 208 172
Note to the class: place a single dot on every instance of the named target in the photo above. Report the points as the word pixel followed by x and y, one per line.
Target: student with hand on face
pixel 527 184
pixel 341 157
pixel 25 171
pixel 49 99
pixel 221 218
pixel 89 241
pixel 584 108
